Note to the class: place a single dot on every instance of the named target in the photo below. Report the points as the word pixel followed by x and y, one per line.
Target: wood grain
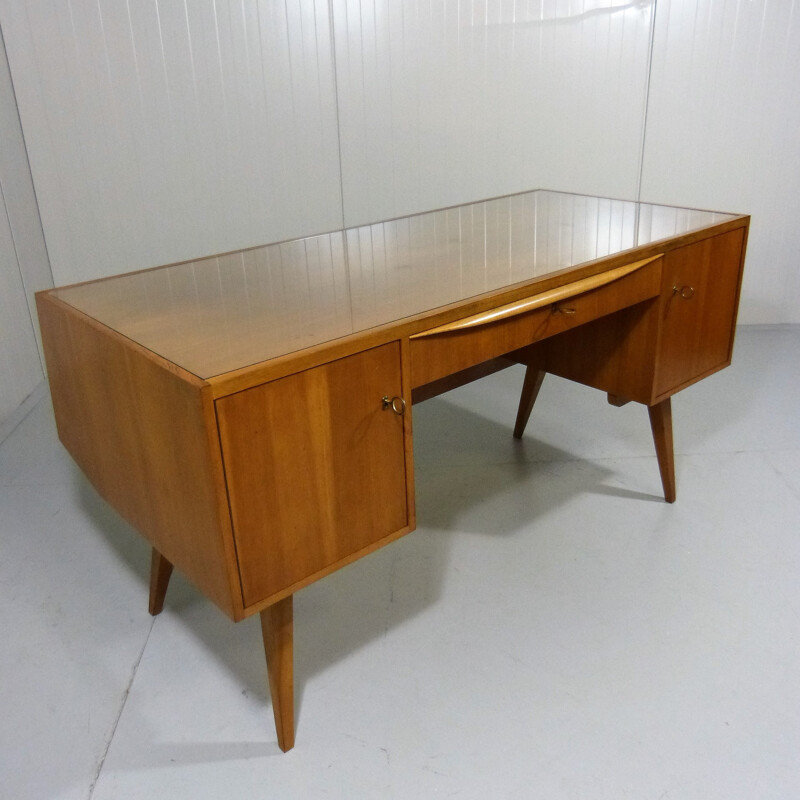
pixel 226 312
pixel 696 334
pixel 457 349
pixel 661 426
pixel 286 467
pixel 277 630
pixel 461 378
pixel 530 391
pixel 408 440
pixel 650 351
pixel 160 573
pixel 548 298
pixel 389 328
pixel 316 469
pixel 137 428
pixel 615 354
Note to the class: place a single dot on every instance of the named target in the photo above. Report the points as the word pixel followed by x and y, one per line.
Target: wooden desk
pixel 250 413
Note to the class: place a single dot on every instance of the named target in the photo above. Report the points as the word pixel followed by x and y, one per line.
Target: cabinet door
pixel 316 469
pixel 700 297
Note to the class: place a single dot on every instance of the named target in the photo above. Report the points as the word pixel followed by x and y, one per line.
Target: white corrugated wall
pixel 723 130
pixel 444 102
pixel 163 130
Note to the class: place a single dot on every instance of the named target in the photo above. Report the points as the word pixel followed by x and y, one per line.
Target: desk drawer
pixel 461 344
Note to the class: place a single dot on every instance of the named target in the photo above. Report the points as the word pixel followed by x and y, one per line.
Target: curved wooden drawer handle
pixel 538 300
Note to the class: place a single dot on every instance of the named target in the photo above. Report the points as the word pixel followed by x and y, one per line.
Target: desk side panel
pixel 137 428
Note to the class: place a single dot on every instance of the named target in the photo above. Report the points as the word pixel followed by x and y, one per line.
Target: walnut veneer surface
pixel 250 413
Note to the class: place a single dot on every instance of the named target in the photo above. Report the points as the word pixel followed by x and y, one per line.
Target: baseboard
pixel 768 326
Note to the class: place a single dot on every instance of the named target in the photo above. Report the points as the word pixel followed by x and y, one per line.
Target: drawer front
pixel 441 352
pixel 316 469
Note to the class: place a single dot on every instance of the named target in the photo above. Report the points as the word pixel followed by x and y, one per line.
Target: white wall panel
pixel 723 131
pixel 163 130
pixel 454 100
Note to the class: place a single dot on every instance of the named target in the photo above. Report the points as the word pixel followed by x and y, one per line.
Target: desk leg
pixel 277 625
pixel 160 572
pixel 661 425
pixel 530 390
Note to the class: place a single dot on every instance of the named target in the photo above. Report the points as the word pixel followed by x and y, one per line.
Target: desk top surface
pixel 221 313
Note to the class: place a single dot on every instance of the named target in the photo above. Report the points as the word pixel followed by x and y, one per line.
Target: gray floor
pixel 552 629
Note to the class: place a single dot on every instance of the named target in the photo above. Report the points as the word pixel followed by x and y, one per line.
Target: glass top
pixel 221 313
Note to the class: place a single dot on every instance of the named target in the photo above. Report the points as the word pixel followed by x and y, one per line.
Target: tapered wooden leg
pixel 160 571
pixel 277 625
pixel 661 425
pixel 530 390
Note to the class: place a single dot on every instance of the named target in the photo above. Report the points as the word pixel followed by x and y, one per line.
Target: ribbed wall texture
pixel 723 131
pixel 444 102
pixel 161 130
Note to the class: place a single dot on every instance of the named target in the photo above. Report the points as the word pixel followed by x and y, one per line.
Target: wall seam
pixel 19 273
pixel 648 76
pixel 337 107
pixel 36 202
pixel 337 104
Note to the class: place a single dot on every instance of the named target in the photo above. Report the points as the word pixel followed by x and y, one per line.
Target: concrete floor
pixel 552 629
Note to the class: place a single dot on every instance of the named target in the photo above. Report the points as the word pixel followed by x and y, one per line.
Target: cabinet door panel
pixel 316 469
pixel 699 318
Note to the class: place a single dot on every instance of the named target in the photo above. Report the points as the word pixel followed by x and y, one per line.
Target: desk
pixel 251 413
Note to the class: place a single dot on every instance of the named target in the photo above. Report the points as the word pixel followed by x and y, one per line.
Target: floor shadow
pixel 477 463
pixel 464 460
pixel 472 462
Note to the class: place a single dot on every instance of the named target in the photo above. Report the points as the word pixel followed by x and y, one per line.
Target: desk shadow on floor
pixel 471 475
pixel 464 488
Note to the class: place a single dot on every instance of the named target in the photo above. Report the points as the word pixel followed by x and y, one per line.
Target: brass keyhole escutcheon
pixel 397 404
